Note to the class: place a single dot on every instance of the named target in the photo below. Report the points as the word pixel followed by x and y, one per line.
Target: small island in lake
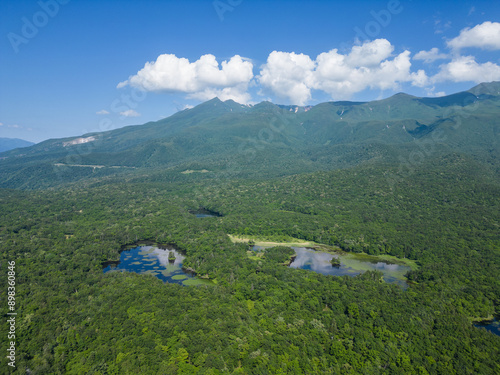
pixel 335 262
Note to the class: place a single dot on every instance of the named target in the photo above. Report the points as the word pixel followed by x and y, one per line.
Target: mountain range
pixel 265 140
pixel 401 181
pixel 7 144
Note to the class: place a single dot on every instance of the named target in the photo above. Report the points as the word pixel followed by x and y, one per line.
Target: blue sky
pixel 68 67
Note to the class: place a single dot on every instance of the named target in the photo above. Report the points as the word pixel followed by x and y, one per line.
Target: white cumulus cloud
pixel 130 113
pixel 370 54
pixel 465 68
pixel 484 36
pixel 102 112
pixel 294 76
pixel 430 56
pixel 289 75
pixel 202 79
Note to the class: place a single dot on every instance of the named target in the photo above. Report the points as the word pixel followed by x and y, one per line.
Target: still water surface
pixel 350 265
pixel 155 261
pixel 492 326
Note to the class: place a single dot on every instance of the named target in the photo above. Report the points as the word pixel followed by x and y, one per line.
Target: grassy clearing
pixel 189 171
pixel 262 242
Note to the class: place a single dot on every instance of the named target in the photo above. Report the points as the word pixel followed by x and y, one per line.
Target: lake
pixel 351 264
pixel 202 213
pixel 153 260
pixel 490 325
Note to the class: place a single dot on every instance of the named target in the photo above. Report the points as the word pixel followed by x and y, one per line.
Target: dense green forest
pixel 414 178
pixel 261 317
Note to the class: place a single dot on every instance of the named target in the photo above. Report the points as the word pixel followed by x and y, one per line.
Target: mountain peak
pixel 214 100
pixel 486 88
pixel 264 106
pixel 402 95
pixel 396 98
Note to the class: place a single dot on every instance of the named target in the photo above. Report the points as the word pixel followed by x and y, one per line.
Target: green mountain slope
pixel 405 177
pixel 267 137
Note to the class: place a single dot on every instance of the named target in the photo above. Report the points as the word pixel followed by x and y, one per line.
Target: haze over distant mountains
pixel 271 140
pixel 7 144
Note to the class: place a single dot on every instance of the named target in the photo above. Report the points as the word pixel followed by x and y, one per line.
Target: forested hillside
pixel 419 181
pixel 270 140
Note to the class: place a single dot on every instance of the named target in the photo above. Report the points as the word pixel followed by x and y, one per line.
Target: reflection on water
pixel 157 262
pixel 317 261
